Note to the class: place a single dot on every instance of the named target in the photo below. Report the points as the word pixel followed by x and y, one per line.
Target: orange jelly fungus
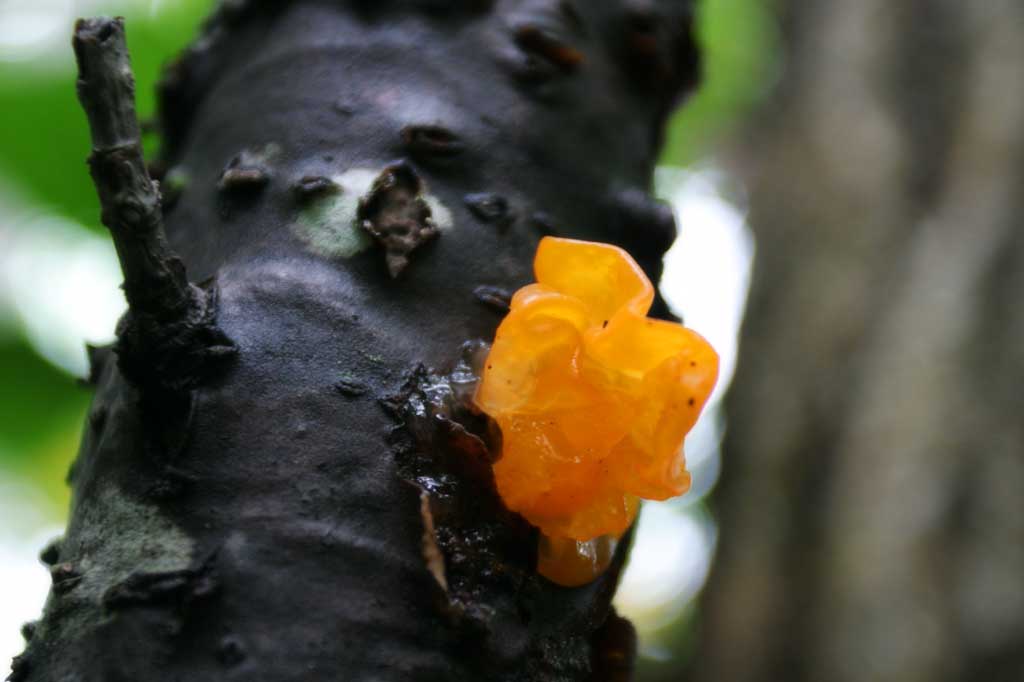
pixel 593 400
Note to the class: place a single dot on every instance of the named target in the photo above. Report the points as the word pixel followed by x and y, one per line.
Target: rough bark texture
pixel 359 185
pixel 872 516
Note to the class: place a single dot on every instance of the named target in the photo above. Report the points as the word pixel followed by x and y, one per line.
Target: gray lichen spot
pixel 327 225
pixel 145 542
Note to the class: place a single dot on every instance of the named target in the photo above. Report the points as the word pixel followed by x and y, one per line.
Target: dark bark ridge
pixel 301 513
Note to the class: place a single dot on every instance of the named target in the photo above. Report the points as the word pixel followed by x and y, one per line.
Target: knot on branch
pixel 178 352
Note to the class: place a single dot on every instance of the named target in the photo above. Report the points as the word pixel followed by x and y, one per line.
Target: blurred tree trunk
pixel 872 501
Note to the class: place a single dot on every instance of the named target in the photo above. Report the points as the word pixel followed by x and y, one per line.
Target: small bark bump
pixel 496 298
pixel 51 553
pixel 430 142
pixel 490 208
pixel 28 630
pixel 543 44
pixel 230 651
pixel 350 387
pixel 163 587
pixel 64 577
pixel 343 109
pixel 543 223
pixel 20 668
pixel 245 173
pixel 311 187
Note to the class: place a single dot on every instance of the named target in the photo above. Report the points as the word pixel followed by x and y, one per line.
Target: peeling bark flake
pixel 396 216
pixel 431 552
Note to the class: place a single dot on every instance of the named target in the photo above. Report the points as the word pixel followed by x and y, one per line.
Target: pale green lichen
pixel 328 225
pixel 268 153
pixel 439 213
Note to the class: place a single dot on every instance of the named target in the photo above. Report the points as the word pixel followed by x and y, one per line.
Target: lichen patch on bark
pixel 146 542
pixel 328 223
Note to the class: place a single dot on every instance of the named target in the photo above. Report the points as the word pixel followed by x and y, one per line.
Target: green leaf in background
pixel 41 411
pixel 739 43
pixel 44 139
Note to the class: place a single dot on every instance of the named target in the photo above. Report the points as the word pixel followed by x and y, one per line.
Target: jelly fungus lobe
pixel 593 399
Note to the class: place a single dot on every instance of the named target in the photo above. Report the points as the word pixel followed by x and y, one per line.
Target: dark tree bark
pixel 280 479
pixel 872 516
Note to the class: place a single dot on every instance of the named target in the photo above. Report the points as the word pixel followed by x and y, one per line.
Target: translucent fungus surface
pixel 593 399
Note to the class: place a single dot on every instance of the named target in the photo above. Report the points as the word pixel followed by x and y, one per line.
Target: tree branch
pixel 168 335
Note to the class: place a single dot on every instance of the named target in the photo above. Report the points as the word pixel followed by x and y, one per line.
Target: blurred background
pixel 858 502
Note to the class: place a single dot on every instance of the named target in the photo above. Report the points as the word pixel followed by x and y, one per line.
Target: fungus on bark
pixel 256 498
pixel 593 399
